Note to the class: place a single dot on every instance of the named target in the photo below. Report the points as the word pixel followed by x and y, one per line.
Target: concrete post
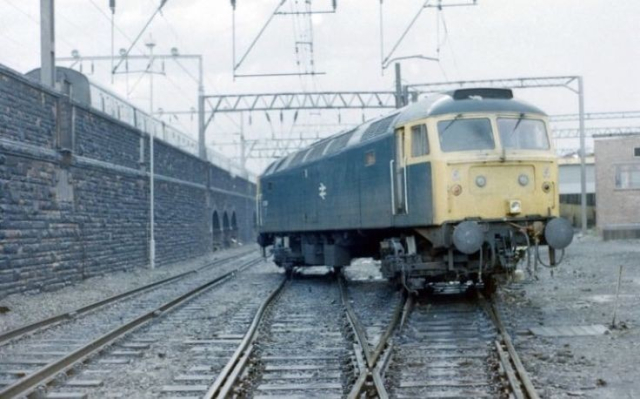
pixel 152 240
pixel 399 101
pixel 47 43
pixel 583 155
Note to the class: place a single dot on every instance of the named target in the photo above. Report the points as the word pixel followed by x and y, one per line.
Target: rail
pixel 370 381
pixel 29 383
pixel 223 384
pixel 518 379
pixel 29 328
pixel 372 370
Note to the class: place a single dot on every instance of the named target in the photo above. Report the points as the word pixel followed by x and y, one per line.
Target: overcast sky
pixel 495 39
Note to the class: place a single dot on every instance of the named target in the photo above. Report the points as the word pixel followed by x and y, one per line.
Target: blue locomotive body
pixel 346 190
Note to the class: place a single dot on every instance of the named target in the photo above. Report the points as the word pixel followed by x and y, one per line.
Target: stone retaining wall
pixel 74 193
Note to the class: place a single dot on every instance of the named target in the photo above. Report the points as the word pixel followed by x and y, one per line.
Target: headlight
pixel 515 207
pixel 523 180
pixel 481 181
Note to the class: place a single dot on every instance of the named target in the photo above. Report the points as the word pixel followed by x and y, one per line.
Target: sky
pixel 596 39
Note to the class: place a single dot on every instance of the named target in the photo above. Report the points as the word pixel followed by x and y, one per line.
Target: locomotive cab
pixel 493 190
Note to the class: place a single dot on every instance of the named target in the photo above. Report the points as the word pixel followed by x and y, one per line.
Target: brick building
pixel 618 186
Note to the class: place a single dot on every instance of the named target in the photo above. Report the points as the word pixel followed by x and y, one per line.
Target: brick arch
pixel 216 229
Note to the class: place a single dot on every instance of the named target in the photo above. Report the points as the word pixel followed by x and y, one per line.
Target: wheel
pixel 490 286
pixel 288 270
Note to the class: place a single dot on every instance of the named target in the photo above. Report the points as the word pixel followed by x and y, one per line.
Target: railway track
pixel 311 336
pixel 298 346
pixel 445 346
pixel 55 348
pixel 59 318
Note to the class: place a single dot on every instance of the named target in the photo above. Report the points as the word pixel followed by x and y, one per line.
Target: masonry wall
pixel 618 194
pixel 74 194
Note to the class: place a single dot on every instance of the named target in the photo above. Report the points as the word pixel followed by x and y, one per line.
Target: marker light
pixel 481 181
pixel 456 190
pixel 523 180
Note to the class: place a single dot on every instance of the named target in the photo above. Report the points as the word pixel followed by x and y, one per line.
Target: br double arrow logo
pixel 322 191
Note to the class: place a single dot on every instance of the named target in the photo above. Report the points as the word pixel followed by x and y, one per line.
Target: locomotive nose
pixel 558 233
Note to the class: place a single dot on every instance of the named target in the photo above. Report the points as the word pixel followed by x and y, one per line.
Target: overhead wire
pixel 118 28
pixel 440 42
pixel 33 19
pixel 449 43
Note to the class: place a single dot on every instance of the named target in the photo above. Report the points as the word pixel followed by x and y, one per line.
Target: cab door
pixel 399 175
pixel 418 175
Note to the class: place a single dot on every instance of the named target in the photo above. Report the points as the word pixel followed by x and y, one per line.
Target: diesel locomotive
pixel 460 186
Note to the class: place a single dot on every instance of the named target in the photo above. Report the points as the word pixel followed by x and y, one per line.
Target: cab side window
pixel 419 141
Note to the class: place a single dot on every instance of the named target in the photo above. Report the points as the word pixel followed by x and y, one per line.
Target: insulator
pixel 281 117
pixel 233 4
pixel 335 4
pixel 268 117
pixel 295 117
pixel 112 6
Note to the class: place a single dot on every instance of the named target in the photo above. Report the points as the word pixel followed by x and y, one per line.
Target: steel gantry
pixel 573 133
pixel 596 116
pixel 300 101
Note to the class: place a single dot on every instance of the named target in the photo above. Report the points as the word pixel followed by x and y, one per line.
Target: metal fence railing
pixel 120 109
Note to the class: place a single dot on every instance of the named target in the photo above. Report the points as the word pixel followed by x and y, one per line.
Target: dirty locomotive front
pixel 459 186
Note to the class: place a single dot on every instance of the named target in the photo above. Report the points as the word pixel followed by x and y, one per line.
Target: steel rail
pixel 222 386
pixel 48 322
pixel 372 369
pixel 522 387
pixel 29 383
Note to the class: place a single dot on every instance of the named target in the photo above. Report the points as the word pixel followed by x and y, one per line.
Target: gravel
pixel 581 292
pixel 20 309
pixel 169 354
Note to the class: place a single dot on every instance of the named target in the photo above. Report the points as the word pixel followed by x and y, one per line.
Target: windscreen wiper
pixel 503 158
pixel 451 123
pixel 517 124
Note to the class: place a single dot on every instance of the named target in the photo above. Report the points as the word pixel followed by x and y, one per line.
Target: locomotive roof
pixel 455 102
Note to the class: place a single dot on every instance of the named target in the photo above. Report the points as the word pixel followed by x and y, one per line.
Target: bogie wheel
pixel 288 270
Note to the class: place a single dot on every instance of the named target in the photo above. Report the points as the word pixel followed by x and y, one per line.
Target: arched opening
pixel 226 230
pixel 234 228
pixel 216 231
